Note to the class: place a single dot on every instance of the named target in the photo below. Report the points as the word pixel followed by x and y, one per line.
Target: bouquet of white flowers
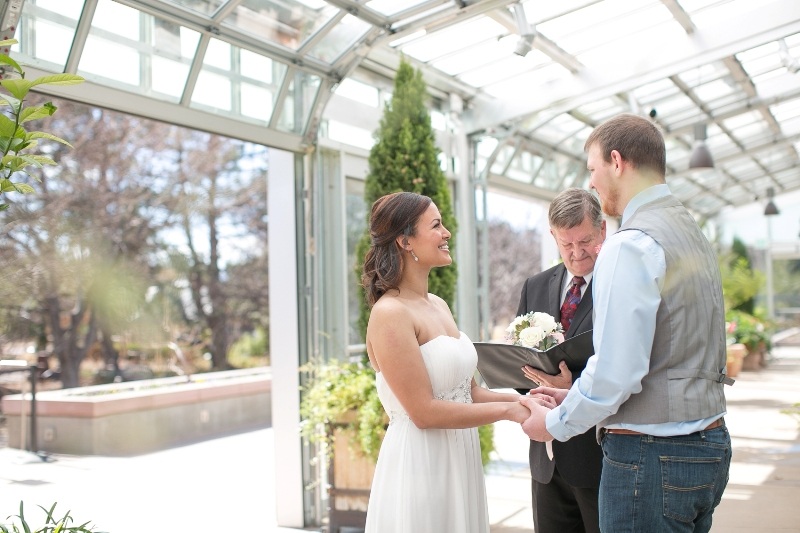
pixel 535 330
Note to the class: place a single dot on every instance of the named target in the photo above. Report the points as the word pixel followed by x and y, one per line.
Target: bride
pixel 429 476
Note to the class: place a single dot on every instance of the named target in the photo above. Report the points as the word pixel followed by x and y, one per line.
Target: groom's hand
pixel 534 427
pixel 557 395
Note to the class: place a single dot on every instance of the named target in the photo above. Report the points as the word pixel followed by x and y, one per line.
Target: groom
pixel 566 479
pixel 654 387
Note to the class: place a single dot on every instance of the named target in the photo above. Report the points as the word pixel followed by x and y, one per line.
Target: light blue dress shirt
pixel 628 279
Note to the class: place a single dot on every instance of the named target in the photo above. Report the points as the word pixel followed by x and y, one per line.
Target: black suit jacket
pixel 580 459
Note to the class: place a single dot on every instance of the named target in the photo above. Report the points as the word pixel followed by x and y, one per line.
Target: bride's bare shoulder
pixel 389 308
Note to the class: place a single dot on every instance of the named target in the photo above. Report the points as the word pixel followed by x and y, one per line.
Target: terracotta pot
pixel 735 357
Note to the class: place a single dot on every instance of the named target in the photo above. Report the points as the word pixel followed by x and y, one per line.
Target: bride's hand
pixel 518 412
pixel 532 401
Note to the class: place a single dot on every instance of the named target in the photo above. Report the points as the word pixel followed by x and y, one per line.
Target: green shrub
pixel 250 350
pixel 337 390
pixel 51 524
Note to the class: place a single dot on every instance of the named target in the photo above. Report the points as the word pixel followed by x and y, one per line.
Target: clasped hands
pixel 551 392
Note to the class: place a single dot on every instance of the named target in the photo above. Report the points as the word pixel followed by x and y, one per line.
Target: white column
pixel 284 338
pixel 770 290
pixel 466 247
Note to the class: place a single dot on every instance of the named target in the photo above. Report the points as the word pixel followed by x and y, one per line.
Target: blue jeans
pixel 663 484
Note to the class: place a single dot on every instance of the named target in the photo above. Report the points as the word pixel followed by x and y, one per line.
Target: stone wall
pixel 142 416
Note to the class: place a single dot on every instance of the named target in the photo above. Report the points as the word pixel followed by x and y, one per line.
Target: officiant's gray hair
pixel 572 206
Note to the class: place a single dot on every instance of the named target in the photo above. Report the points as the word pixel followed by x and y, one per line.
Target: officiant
pixel 565 476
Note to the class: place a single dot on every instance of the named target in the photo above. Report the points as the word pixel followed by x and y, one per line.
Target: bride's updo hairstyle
pixel 392 215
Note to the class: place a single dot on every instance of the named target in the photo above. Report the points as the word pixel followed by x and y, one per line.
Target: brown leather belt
pixel 715 424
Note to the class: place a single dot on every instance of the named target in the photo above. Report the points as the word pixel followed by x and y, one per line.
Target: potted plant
pixel 342 414
pixel 745 332
pixel 343 394
pixel 735 351
pixel 17 145
pixel 752 333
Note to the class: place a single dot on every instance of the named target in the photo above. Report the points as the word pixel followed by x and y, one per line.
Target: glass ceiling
pixel 535 76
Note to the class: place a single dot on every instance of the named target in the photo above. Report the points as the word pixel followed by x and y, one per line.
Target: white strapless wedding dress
pixel 430 480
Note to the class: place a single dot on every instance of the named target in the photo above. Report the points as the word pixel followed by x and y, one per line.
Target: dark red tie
pixel 571 302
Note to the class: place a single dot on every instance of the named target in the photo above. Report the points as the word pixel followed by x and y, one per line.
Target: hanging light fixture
pixel 771 208
pixel 701 157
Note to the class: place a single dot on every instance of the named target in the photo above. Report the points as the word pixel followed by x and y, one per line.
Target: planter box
pixel 142 416
pixel 350 476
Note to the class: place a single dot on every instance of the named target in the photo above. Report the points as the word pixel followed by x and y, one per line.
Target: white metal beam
pixel 144 106
pixel 765 23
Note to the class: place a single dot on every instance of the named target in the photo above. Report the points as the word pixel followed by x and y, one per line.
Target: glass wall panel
pixel 297 106
pixel 212 90
pixel 239 82
pixel 342 37
pixel 516 227
pixel 359 92
pixel 206 7
pixel 348 134
pixel 285 22
pixel 45 33
pixel 356 225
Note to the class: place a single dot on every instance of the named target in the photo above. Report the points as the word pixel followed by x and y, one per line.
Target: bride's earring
pixel 413 255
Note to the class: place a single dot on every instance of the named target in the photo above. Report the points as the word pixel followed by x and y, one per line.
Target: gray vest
pixel 687 361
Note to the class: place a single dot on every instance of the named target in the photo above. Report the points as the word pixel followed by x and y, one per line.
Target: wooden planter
pixel 350 475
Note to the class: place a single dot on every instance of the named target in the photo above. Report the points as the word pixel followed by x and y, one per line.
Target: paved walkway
pixel 227 484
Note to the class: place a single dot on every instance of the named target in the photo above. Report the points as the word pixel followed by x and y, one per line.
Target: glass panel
pixel 297 107
pixel 218 55
pixel 212 90
pixel 207 7
pixel 390 7
pixel 67 8
pixel 342 37
pixel 173 49
pixel 257 66
pixel 45 33
pixel 654 91
pixel 350 135
pixel 555 131
pixel 110 54
pixel 360 92
pixel 285 22
pixel 506 152
pixel 133 50
pixel 454 39
pixel 438 120
pixel 604 22
pixel 238 82
pixel 117 19
pixel 480 54
pixel 540 76
pixel 101 53
pixel 356 216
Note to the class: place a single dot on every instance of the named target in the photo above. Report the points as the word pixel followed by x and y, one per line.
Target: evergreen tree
pixel 405 158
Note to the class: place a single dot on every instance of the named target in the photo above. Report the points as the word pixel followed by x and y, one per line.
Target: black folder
pixel 500 364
